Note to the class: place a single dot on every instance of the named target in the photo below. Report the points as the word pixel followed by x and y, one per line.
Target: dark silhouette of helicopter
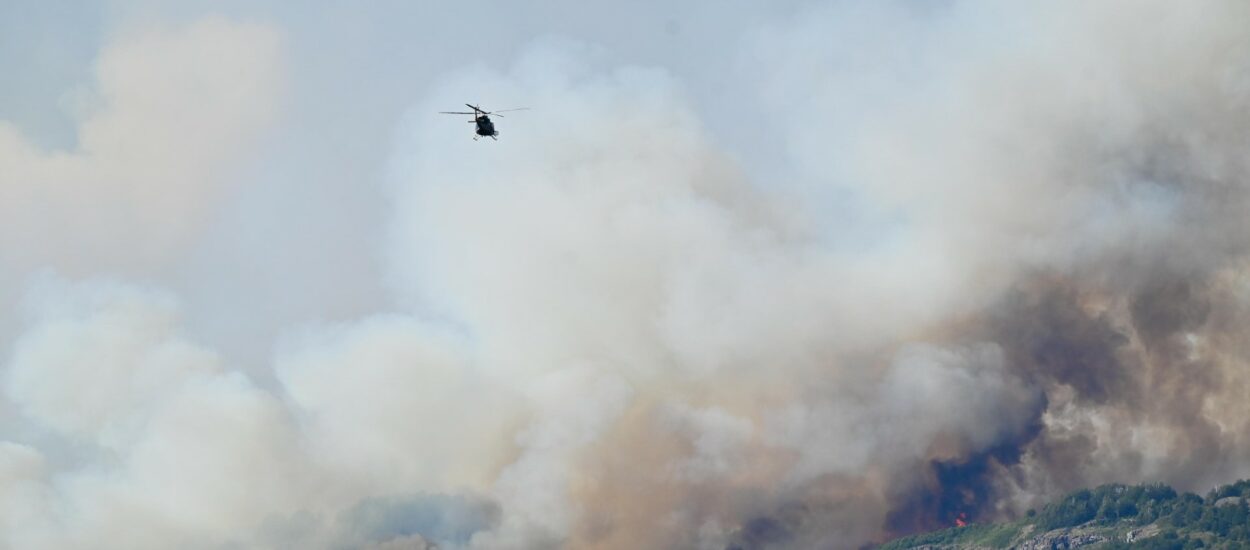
pixel 481 117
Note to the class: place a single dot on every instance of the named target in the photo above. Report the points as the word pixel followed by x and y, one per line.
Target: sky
pixel 786 275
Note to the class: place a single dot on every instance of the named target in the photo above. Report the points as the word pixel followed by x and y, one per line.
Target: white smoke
pixel 605 333
pixel 175 108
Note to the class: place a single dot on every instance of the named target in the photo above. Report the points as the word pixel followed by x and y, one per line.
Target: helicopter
pixel 481 117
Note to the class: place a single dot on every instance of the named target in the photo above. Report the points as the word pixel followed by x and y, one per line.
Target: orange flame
pixel 962 520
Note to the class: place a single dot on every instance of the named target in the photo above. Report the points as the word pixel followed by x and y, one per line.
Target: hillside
pixel 1111 517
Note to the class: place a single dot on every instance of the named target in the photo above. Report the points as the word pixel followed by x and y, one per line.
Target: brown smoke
pixel 1009 258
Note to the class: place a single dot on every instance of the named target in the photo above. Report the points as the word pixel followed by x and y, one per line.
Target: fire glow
pixel 962 520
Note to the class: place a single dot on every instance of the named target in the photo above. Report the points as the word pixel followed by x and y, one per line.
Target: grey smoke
pixel 952 259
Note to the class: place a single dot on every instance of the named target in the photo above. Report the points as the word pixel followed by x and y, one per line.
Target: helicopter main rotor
pixel 480 111
pixel 481 117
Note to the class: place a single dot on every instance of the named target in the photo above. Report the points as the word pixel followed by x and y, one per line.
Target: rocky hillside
pixel 1111 517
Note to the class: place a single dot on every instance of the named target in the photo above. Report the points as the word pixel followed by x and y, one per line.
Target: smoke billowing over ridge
pixel 1008 258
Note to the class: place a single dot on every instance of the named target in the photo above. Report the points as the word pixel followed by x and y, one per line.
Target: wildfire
pixel 962 520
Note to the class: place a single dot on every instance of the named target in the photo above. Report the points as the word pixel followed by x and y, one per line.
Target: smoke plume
pixel 1007 257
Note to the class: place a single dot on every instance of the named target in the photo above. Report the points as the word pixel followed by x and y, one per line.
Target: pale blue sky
pixel 743 263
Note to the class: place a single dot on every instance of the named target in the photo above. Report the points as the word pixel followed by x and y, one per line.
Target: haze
pixel 797 275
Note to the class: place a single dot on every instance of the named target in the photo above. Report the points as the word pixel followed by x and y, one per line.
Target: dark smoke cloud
pixel 1131 365
pixel 1046 334
pixel 610 332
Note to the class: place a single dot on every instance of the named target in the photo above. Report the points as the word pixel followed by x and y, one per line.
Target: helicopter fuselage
pixel 481 119
pixel 485 127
